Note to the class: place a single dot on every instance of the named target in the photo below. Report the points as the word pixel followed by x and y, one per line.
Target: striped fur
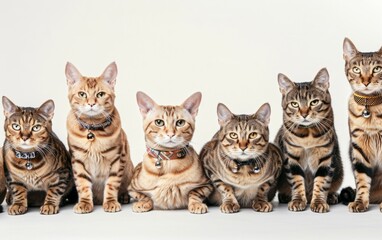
pixel 364 73
pixel 101 164
pixel 179 183
pixel 3 187
pixel 50 179
pixel 242 138
pixel 312 171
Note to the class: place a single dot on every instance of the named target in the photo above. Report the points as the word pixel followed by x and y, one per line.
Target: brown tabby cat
pixel 171 175
pixel 364 73
pixel 312 169
pixel 98 145
pixel 37 165
pixel 240 161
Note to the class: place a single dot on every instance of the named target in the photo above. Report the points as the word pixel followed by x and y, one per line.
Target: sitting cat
pixel 171 175
pixel 312 171
pixel 100 152
pixel 241 163
pixel 37 165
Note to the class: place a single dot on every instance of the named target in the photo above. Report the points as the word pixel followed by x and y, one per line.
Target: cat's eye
pixel 356 70
pixel 377 69
pixel 252 135
pixel 314 102
pixel 82 94
pixel 180 123
pixel 233 135
pixel 101 94
pixel 159 122
pixel 294 104
pixel 36 128
pixel 16 127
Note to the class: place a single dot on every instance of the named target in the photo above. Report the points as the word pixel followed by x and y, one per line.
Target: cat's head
pixel 363 69
pixel 27 129
pixel 306 103
pixel 91 96
pixel 168 127
pixel 243 136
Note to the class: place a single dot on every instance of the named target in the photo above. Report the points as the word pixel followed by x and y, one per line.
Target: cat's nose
pixel 91 104
pixel 243 146
pixel 304 115
pixel 366 83
pixel 24 138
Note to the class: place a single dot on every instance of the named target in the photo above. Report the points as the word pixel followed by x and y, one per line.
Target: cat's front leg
pixel 83 181
pixel 19 198
pixel 261 204
pixel 296 178
pixel 143 204
pixel 229 201
pixel 112 185
pixel 321 186
pixel 196 198
pixel 54 194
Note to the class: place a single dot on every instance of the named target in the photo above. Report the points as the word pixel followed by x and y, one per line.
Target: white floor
pixel 337 224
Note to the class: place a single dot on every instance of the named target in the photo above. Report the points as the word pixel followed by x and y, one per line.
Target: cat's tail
pixel 347 195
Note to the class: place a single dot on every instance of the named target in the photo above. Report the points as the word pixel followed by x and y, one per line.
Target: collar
pixel 25 155
pixel 166 155
pixel 98 126
pixel 250 162
pixel 367 100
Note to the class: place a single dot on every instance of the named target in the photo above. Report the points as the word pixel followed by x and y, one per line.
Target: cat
pixel 37 164
pixel 241 162
pixel 364 73
pixel 98 145
pixel 171 175
pixel 312 170
pixel 3 187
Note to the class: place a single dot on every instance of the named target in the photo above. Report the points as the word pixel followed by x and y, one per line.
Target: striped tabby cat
pixel 171 175
pixel 37 165
pixel 98 145
pixel 240 161
pixel 312 171
pixel 364 73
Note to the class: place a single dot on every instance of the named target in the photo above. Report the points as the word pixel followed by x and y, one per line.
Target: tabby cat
pixel 37 165
pixel 364 73
pixel 171 175
pixel 312 169
pixel 100 152
pixel 240 161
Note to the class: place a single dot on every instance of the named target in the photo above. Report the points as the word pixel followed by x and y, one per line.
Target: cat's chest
pixel 371 125
pixel 308 141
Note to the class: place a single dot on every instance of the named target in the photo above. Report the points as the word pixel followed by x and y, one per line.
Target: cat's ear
pixel 47 110
pixel 110 74
pixel 264 113
pixel 9 107
pixel 350 51
pixel 72 74
pixel 224 114
pixel 285 84
pixel 192 103
pixel 145 103
pixel 321 80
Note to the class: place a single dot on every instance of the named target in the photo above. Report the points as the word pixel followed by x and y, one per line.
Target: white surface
pixel 231 51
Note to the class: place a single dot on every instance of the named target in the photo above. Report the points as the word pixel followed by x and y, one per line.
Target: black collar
pixel 254 162
pixel 25 155
pixel 239 163
pixel 98 126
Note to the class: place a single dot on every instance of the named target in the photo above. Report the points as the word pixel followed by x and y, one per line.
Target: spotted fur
pixel 98 145
pixel 178 183
pixel 312 171
pixel 49 181
pixel 241 162
pixel 364 73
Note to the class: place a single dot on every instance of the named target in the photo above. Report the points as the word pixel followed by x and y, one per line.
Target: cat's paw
pixel 197 208
pixel 297 205
pixel 124 198
pixel 112 206
pixel 358 206
pixel 332 198
pixel 142 206
pixel 49 209
pixel 17 209
pixel 83 207
pixel 319 207
pixel 229 207
pixel 262 206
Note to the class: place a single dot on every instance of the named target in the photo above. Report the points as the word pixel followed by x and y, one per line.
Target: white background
pixel 231 51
